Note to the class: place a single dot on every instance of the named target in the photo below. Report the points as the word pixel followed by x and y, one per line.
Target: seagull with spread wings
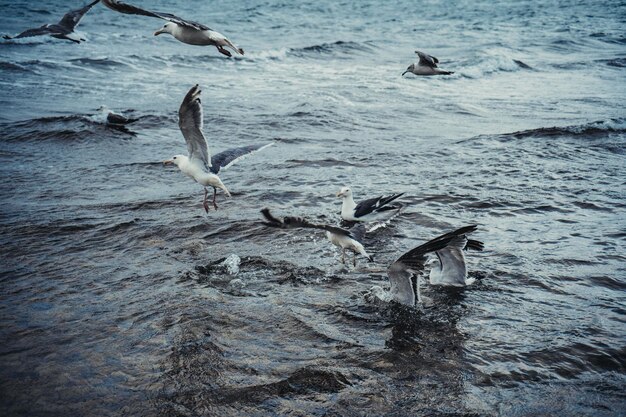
pixel 62 30
pixel 404 272
pixel 186 31
pixel 366 210
pixel 427 65
pixel 199 165
pixel 343 238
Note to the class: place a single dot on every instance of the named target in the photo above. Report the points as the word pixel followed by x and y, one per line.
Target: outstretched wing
pixel 43 30
pixel 416 257
pixel 426 59
pixel 226 159
pixel 371 205
pixel 71 19
pixel 121 7
pixel 299 222
pixel 190 123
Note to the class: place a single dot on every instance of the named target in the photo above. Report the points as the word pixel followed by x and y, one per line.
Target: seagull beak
pixel 339 194
pixel 168 162
pixel 158 32
pixel 405 72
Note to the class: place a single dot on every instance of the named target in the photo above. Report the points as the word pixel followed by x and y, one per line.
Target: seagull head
pixel 167 28
pixel 409 69
pixel 176 160
pixel 344 192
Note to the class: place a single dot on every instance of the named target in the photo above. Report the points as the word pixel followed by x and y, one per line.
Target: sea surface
pixel 120 296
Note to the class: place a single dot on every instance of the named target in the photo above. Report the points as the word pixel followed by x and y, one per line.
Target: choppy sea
pixel 120 296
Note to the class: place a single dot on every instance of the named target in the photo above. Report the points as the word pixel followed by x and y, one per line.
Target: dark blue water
pixel 113 298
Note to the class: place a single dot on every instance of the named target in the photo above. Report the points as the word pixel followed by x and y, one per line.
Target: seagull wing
pixel 121 7
pixel 299 222
pixel 71 19
pixel 190 123
pixel 371 205
pixel 43 30
pixel 427 60
pixel 226 159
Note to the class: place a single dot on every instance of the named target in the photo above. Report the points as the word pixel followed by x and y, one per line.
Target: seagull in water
pixel 62 30
pixel 366 210
pixel 186 31
pixel 427 65
pixel 113 118
pixel 199 165
pixel 343 238
pixel 403 273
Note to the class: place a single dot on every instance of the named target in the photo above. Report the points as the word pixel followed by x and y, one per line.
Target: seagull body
pixel 403 273
pixel 62 30
pixel 427 65
pixel 199 165
pixel 343 238
pixel 113 118
pixel 186 31
pixel 366 210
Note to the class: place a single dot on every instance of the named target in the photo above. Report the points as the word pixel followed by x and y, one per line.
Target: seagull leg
pixel 343 256
pixel 354 259
pixel 224 51
pixel 205 203
pixel 214 195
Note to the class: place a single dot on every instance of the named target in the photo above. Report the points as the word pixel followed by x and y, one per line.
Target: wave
pixel 98 62
pixel 338 47
pixel 493 64
pixel 10 66
pixel 595 129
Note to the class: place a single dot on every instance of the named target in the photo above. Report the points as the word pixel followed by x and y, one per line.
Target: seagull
pixel 116 119
pixel 186 31
pixel 343 238
pixel 62 30
pixel 403 273
pixel 199 165
pixel 366 210
pixel 427 65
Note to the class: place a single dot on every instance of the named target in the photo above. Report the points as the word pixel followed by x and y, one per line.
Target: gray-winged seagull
pixel 366 210
pixel 199 165
pixel 343 238
pixel 427 65
pixel 62 30
pixel 186 31
pixel 403 273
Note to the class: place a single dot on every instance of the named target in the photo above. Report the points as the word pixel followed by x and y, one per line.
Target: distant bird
pixel 186 31
pixel 343 238
pixel 62 30
pixel 427 65
pixel 366 210
pixel 403 273
pixel 199 165
pixel 116 119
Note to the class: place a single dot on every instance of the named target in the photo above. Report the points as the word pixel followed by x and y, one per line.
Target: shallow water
pixel 114 299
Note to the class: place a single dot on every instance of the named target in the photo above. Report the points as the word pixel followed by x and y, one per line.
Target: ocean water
pixel 120 296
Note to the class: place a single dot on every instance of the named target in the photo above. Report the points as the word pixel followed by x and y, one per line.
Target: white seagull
pixel 186 31
pixel 343 238
pixel 404 272
pixel 427 65
pixel 199 165
pixel 62 30
pixel 366 210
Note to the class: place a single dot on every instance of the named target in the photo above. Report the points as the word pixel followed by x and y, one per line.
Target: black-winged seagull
pixel 186 31
pixel 199 165
pixel 62 30
pixel 427 65
pixel 366 210
pixel 403 273
pixel 343 238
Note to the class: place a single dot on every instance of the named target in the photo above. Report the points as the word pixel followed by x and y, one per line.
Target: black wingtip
pixel 474 245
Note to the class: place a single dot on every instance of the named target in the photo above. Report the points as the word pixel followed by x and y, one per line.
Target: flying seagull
pixel 62 30
pixel 366 210
pixel 186 31
pixel 343 238
pixel 427 65
pixel 199 165
pixel 403 273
